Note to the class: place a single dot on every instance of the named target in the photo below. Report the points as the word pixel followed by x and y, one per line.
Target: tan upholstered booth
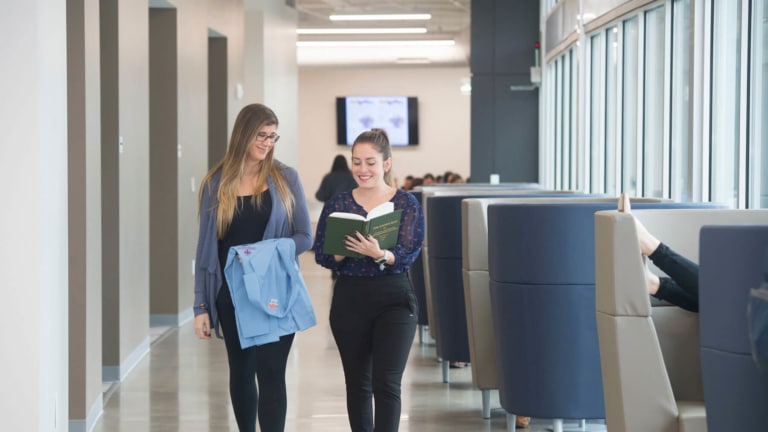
pixel 650 353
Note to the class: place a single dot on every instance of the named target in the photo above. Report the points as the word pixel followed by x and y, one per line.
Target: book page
pixel 387 207
pixel 344 215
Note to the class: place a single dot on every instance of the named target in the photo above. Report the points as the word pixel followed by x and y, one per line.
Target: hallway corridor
pixel 181 385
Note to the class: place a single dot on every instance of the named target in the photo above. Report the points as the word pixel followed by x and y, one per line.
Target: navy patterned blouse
pixel 409 239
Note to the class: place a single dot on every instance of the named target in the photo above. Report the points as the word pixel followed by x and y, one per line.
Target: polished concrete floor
pixel 181 385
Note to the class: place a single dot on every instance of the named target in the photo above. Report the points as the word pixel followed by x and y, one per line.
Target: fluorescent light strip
pixel 412 60
pixel 375 43
pixel 381 17
pixel 397 30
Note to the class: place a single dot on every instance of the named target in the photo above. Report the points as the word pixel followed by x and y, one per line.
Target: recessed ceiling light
pixel 375 43
pixel 380 17
pixel 412 60
pixel 397 30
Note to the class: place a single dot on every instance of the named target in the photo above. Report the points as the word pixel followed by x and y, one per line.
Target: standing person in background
pixel 407 183
pixel 373 311
pixel 246 198
pixel 340 179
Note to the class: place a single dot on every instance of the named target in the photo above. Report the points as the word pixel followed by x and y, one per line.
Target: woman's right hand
pixel 203 326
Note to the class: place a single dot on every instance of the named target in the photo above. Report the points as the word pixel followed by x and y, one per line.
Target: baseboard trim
pixel 170 320
pixel 87 425
pixel 118 373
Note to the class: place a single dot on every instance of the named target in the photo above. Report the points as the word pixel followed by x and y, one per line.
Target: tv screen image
pixel 398 115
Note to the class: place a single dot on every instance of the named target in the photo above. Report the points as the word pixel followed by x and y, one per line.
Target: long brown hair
pixel 249 121
pixel 380 140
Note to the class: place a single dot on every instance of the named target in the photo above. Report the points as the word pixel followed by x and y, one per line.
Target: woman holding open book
pixel 373 311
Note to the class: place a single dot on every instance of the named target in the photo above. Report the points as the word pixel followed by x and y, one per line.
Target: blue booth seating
pixel 423 193
pixel 758 323
pixel 730 260
pixel 416 274
pixel 444 262
pixel 541 262
pixel 477 297
pixel 430 192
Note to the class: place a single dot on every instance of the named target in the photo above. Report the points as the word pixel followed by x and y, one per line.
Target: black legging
pixel 267 362
pixel 373 320
pixel 681 288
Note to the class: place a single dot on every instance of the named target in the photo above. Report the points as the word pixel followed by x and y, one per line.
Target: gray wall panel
pixel 504 123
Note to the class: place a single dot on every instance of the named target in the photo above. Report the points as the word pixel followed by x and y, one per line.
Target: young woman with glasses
pixel 247 197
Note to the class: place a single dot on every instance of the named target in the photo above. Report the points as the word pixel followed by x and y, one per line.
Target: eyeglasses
pixel 261 136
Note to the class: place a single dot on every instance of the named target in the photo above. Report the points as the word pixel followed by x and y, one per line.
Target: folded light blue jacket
pixel 208 275
pixel 268 292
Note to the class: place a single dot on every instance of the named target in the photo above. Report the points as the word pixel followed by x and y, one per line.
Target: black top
pixel 248 225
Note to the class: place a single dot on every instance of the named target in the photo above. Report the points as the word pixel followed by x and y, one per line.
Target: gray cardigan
pixel 208 277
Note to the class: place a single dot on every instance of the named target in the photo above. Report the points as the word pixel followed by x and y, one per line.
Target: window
pixel 758 135
pixel 726 71
pixel 680 143
pixel 597 115
pixel 568 110
pixel 611 109
pixel 653 132
pixel 630 107
pixel 558 118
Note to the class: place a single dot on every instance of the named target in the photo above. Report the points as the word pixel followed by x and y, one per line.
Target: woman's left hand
pixel 366 245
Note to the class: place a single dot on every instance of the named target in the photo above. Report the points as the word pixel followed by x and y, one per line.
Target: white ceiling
pixel 450 21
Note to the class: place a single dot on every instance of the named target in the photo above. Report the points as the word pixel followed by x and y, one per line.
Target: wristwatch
pixel 383 260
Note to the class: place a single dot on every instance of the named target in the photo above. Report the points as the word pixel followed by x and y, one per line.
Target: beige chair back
pixel 650 351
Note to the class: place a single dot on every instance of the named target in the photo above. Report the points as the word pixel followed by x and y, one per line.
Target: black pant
pixel 373 320
pixel 681 288
pixel 267 362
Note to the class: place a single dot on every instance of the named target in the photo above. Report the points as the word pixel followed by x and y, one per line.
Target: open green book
pixel 383 223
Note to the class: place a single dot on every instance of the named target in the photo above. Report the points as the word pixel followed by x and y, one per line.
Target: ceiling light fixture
pixel 380 43
pixel 398 30
pixel 381 17
pixel 412 60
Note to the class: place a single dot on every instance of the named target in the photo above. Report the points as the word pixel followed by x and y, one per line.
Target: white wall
pixel 270 69
pixel 444 118
pixel 194 18
pixel 33 225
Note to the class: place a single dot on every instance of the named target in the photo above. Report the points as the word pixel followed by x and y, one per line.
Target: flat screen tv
pixel 398 115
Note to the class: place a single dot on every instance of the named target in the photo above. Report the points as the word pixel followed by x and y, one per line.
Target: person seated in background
pixel 428 179
pixel 681 288
pixel 340 179
pixel 454 178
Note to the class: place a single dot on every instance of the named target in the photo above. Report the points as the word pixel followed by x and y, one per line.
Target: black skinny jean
pixel 266 362
pixel 681 288
pixel 373 320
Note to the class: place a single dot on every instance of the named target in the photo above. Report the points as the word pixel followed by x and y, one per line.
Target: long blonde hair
pixel 249 121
